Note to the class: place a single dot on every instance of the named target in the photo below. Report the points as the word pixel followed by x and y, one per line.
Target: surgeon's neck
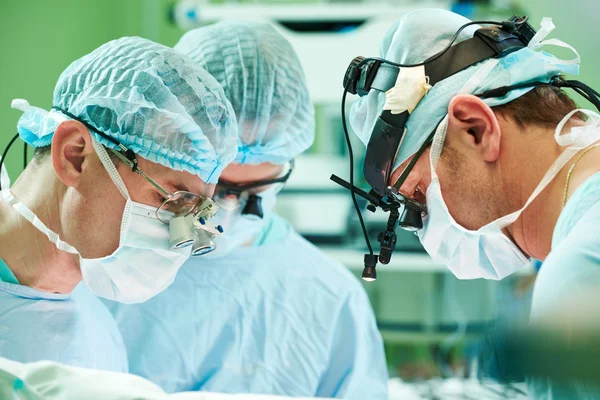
pixel 534 229
pixel 32 258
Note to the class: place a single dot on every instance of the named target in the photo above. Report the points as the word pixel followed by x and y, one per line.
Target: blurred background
pixel 434 325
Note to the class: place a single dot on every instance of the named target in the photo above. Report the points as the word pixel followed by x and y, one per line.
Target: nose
pixel 411 185
pixel 417 181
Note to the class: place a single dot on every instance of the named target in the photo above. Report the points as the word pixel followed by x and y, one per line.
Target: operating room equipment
pixel 309 189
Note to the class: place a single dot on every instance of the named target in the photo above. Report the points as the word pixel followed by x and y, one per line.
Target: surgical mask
pixel 239 228
pixel 487 252
pixel 142 266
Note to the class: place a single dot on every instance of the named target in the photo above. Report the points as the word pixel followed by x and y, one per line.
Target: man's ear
pixel 475 125
pixel 71 148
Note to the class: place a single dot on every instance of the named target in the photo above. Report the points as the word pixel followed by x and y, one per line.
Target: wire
pixel 24 155
pixel 6 152
pixel 351 156
pixel 583 90
pixel 439 54
pixel 582 85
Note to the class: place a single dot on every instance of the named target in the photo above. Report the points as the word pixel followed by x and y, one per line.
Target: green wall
pixel 40 38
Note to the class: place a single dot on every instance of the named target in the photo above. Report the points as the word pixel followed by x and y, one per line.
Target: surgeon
pixel 511 172
pixel 138 134
pixel 266 312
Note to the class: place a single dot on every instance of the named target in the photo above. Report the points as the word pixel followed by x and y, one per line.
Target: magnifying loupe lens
pixel 181 232
pixel 203 244
pixel 410 220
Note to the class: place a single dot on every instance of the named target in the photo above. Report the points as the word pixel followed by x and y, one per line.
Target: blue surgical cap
pixel 149 97
pixel 263 78
pixel 422 34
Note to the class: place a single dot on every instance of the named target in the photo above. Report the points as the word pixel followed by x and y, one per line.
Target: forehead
pixel 238 173
pixel 173 180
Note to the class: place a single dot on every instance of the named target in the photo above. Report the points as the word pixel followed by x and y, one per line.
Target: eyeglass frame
pixel 129 157
pixel 237 189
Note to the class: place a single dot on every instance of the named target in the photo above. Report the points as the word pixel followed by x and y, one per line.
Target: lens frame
pixel 196 206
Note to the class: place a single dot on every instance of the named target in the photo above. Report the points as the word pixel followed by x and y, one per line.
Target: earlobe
pixel 476 124
pixel 71 144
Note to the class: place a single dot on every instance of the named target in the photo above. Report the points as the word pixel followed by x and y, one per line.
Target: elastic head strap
pixel 110 168
pixel 26 213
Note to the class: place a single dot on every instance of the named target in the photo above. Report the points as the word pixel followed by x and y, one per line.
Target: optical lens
pixel 180 204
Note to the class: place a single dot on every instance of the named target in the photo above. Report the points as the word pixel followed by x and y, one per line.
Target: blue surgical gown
pixel 74 329
pixel 277 317
pixel 572 266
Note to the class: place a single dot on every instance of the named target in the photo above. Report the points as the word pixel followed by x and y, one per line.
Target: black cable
pixel 582 93
pixel 581 85
pixel 439 54
pixel 88 125
pixel 6 153
pixel 581 89
pixel 128 153
pixel 351 156
pixel 24 155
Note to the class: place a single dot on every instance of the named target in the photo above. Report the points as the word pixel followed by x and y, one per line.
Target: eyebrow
pixel 179 187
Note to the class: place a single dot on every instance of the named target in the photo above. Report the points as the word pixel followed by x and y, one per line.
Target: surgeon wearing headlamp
pixel 266 311
pixel 138 136
pixel 501 159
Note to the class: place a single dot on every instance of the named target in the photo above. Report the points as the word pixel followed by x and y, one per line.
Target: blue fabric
pixel 262 76
pixel 74 329
pixel 572 267
pixel 280 318
pixel 155 101
pixel 6 275
pixel 274 231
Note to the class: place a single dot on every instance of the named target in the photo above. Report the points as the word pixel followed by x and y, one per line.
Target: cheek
pixel 468 193
pixel 456 188
pixel 94 222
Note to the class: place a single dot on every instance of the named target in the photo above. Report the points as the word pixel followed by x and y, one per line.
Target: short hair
pixel 544 106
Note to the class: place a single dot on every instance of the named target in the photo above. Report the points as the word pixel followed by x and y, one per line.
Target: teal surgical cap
pixel 263 78
pixel 149 97
pixel 422 34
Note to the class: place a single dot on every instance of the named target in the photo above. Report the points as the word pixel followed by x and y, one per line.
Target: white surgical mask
pixel 143 265
pixel 239 229
pixel 487 252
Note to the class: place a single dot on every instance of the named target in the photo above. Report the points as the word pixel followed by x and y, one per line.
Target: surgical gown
pixel 275 318
pixel 74 329
pixel 572 267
